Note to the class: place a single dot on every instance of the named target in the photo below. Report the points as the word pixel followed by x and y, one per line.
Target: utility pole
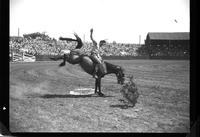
pixel 139 39
pixel 84 38
pixel 18 32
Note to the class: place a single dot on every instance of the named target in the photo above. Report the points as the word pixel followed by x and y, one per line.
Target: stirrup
pixel 94 75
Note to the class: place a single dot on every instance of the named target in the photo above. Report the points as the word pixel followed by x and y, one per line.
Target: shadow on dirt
pixel 70 96
pixel 124 105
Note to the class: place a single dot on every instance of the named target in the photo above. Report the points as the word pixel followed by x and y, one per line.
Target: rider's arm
pixel 94 42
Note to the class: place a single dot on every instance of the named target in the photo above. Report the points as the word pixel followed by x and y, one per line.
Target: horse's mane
pixel 114 66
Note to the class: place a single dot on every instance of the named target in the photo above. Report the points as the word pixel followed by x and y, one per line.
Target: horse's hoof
pixel 101 94
pixel 62 64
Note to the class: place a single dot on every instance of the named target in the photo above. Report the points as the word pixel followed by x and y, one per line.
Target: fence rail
pixel 22 57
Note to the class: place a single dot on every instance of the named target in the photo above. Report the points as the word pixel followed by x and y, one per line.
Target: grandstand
pixel 168 44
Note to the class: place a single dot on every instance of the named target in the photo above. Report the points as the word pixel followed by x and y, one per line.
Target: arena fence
pixel 17 57
pixel 22 57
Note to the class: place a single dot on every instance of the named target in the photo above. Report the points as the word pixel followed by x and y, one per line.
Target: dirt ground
pixel 40 100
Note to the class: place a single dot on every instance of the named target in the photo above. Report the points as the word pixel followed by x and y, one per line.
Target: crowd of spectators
pixel 41 44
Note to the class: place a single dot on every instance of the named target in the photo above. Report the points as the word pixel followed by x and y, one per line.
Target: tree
pixel 114 42
pixel 36 35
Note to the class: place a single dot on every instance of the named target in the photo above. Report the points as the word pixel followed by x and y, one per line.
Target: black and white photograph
pixel 99 66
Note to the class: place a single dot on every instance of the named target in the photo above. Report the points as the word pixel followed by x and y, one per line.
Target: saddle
pixel 100 66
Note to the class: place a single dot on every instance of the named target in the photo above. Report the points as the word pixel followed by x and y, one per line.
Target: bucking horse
pixel 88 65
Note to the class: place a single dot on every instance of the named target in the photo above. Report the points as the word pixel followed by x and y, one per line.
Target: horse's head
pixel 120 75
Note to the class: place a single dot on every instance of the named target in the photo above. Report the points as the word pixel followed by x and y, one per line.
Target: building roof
pixel 169 35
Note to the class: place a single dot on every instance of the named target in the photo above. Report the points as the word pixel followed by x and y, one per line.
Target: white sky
pixel 115 20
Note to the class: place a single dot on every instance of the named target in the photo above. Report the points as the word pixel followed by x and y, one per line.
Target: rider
pixel 95 52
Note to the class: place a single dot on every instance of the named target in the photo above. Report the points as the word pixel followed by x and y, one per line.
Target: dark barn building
pixel 176 44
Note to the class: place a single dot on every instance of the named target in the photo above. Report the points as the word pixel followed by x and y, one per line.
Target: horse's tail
pixel 80 43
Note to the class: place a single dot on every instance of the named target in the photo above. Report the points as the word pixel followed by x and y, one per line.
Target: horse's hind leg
pixel 99 86
pixel 96 85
